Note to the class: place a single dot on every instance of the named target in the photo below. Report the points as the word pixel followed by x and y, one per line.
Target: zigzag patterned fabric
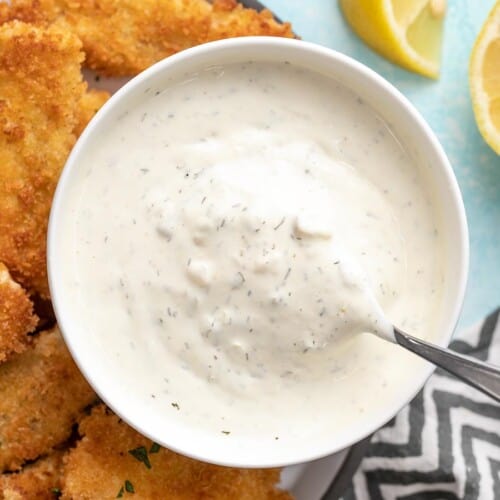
pixel 446 444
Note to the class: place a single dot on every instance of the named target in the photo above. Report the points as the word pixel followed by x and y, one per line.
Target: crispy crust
pixel 230 19
pixel 124 38
pixel 17 318
pixel 43 396
pixel 90 104
pixel 40 480
pixel 40 91
pixel 27 11
pixel 101 462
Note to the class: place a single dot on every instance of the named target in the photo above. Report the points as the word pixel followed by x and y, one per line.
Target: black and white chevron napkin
pixel 445 444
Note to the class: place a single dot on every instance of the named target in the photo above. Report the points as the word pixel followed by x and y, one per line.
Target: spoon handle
pixel 482 376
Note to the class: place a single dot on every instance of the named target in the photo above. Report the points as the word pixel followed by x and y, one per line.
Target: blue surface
pixel 446 106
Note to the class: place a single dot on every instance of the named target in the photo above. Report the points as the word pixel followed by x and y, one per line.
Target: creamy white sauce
pixel 238 225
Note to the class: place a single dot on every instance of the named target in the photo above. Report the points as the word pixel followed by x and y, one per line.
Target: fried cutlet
pixel 124 38
pixel 101 465
pixel 17 318
pixel 39 480
pixel 43 395
pixel 40 92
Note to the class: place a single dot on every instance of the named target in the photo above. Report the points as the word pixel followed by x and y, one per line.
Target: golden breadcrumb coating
pixel 230 19
pixel 40 91
pixel 90 104
pixel 40 480
pixel 27 11
pixel 43 395
pixel 17 318
pixel 126 37
pixel 101 464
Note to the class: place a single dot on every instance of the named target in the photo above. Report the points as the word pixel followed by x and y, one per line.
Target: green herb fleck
pixel 129 487
pixel 175 405
pixel 155 448
pixel 281 222
pixel 226 432
pixel 56 492
pixel 141 454
pixel 120 493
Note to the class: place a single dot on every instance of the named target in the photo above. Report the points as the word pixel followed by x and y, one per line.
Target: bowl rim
pixel 371 78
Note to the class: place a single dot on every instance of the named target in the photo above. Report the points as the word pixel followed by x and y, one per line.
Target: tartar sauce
pixel 238 224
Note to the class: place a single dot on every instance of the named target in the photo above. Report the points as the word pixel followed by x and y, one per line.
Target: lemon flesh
pixel 407 32
pixel 484 79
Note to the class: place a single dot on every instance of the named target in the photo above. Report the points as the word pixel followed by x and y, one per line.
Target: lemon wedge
pixel 484 79
pixel 407 32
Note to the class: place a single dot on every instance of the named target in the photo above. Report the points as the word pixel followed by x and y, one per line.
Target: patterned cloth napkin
pixel 446 443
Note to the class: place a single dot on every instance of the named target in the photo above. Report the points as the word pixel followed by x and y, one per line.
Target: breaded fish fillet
pixel 17 318
pixel 125 37
pixel 40 480
pixel 43 395
pixel 90 104
pixel 102 466
pixel 40 92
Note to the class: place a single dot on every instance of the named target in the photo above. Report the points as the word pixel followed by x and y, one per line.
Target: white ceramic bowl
pixel 411 128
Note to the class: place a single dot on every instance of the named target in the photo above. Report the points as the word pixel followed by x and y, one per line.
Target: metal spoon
pixel 482 376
